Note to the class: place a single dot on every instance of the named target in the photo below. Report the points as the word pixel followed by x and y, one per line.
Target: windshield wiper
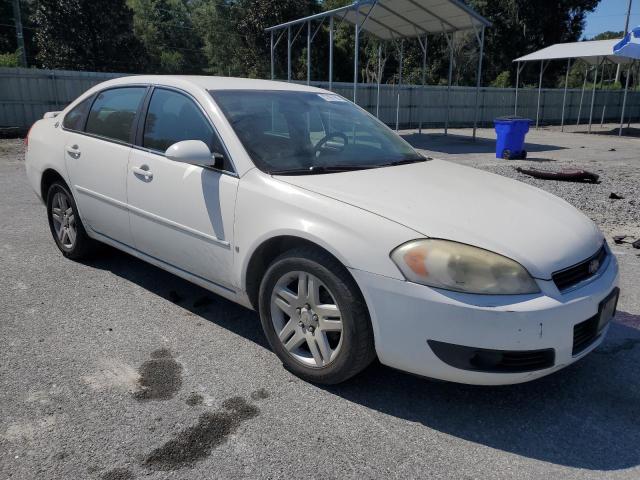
pixel 319 169
pixel 409 160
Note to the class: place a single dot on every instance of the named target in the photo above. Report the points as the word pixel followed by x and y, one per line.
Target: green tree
pixel 85 35
pixel 522 26
pixel 503 80
pixel 166 30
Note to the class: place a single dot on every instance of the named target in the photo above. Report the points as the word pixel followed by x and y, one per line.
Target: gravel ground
pixel 114 370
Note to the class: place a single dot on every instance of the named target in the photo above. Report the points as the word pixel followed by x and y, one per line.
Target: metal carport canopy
pixel 389 20
pixel 395 19
pixel 592 52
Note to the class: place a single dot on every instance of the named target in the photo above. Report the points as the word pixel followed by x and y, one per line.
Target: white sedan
pixel 351 245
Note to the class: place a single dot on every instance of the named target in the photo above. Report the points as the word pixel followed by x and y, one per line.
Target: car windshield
pixel 288 132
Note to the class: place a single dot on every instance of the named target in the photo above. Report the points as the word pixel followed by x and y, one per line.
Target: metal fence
pixel 25 94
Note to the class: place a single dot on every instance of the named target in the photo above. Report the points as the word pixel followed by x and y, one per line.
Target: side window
pixel 173 117
pixel 74 120
pixel 113 112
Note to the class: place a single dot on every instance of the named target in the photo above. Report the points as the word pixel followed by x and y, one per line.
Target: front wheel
pixel 315 318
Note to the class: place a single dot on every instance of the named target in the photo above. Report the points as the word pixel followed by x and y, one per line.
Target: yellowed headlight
pixel 462 268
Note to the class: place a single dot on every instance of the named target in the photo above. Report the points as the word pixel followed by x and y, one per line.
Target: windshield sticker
pixel 331 97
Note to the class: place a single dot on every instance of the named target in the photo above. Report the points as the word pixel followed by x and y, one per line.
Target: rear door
pixel 97 153
pixel 181 214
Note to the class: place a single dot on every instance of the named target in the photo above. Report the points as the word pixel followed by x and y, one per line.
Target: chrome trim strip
pixel 178 226
pixel 153 217
pixel 104 198
pixel 156 259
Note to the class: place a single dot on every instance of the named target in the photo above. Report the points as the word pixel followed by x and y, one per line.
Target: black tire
pixel 357 350
pixel 83 246
pixel 506 154
pixel 523 155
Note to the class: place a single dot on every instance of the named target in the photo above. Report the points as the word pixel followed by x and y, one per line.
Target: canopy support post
pixel 518 72
pixel 308 52
pixel 539 94
pixel 584 86
pixel 272 63
pixel 606 98
pixel 478 82
pixel 331 53
pixel 424 79
pixel 446 122
pixel 564 97
pixel 624 99
pixel 355 54
pixel 379 79
pixel 593 96
pixel 288 54
pixel 399 86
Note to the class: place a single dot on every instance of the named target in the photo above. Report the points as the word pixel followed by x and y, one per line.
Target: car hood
pixel 440 199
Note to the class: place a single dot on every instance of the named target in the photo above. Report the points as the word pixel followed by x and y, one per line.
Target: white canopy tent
pixel 593 53
pixel 389 20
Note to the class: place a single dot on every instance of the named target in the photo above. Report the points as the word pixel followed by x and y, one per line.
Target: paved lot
pixel 78 340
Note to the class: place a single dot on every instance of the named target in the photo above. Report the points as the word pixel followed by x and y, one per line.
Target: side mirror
pixel 194 152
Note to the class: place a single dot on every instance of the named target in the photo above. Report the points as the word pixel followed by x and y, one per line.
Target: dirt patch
pixel 196 442
pixel 160 377
pixel 260 394
pixel 194 399
pixel 118 474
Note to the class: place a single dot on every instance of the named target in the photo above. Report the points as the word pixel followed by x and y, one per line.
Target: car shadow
pixel 459 144
pixel 585 416
pixel 187 295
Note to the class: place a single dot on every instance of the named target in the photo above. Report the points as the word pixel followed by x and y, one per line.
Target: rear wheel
pixel 506 154
pixel 65 224
pixel 314 317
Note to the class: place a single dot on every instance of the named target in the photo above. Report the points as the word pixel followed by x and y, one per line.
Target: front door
pixel 97 156
pixel 181 214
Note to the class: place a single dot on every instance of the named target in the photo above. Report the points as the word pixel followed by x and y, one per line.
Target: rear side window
pixel 113 112
pixel 74 120
pixel 173 117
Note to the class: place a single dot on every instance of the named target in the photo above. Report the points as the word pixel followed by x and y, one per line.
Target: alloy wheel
pixel 64 221
pixel 306 319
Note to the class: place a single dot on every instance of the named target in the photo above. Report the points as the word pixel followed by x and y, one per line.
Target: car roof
pixel 212 83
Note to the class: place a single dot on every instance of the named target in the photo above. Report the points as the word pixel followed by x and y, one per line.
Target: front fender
pixel 268 208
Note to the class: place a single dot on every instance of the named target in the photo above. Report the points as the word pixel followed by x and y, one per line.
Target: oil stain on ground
pixel 118 474
pixel 260 394
pixel 160 377
pixel 194 399
pixel 196 442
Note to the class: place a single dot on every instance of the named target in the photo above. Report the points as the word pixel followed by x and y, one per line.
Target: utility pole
pixel 626 30
pixel 19 35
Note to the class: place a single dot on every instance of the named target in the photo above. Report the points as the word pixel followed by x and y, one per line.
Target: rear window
pixel 74 120
pixel 113 112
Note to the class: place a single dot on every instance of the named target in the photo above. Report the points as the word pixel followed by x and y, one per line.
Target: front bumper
pixel 406 316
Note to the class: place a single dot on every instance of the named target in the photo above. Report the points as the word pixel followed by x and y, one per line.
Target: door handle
pixel 74 151
pixel 143 171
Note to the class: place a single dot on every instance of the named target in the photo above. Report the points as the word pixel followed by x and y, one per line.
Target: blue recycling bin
pixel 510 133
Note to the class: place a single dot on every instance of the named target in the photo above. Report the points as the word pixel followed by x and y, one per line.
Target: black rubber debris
pixel 615 196
pixel 619 239
pixel 565 175
pixel 636 244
